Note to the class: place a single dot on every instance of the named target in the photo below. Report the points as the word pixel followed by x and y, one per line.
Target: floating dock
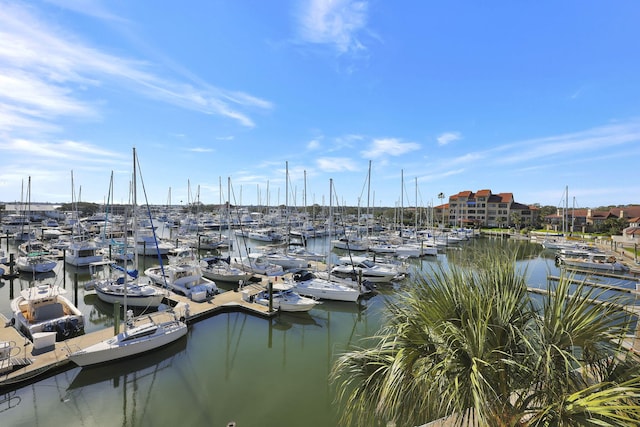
pixel 21 362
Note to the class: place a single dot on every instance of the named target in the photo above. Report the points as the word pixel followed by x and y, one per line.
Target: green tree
pixel 469 342
pixel 614 226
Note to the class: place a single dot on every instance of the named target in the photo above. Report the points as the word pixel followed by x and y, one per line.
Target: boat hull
pixel 119 347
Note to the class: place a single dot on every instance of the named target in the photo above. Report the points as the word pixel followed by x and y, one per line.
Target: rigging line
pixel 244 239
pixel 153 229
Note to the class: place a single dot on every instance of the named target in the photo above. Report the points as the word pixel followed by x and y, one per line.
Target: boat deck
pixel 28 363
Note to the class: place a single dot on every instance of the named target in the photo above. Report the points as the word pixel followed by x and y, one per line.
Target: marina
pixel 236 351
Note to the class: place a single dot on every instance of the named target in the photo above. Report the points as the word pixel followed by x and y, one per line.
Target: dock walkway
pixel 24 363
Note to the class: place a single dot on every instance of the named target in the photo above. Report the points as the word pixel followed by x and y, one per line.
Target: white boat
pixel 136 339
pixel 43 308
pixel 264 235
pixel 302 252
pixel 351 244
pixel 183 278
pixel 81 253
pixel 593 261
pixel 310 284
pixel 132 342
pixel 257 264
pixel 286 261
pixel 219 270
pixel 113 289
pixel 353 267
pixel 36 262
pixel 147 244
pixel 284 298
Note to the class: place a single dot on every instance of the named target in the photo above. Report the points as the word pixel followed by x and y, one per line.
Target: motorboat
pixel 258 264
pixel 148 244
pixel 184 278
pixel 350 244
pixel 354 267
pixel 219 270
pixel 43 308
pixel 310 284
pixel 285 260
pixel 81 253
pixel 304 253
pixel 284 298
pixel 593 261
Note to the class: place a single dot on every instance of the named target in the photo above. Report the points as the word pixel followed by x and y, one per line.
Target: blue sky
pixel 521 97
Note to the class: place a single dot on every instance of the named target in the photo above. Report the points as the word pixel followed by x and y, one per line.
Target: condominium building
pixel 485 209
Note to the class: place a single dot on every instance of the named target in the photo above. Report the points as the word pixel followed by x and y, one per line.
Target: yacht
pixel 43 308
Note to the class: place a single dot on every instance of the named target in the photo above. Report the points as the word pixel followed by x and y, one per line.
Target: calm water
pixel 231 367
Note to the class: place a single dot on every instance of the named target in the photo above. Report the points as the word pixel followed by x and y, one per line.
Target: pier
pixel 27 363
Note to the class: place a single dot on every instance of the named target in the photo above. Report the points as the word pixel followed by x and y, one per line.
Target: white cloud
pixel 593 140
pixel 336 164
pixel 389 147
pixel 333 22
pixel 45 73
pixel 69 150
pixel 201 150
pixel 448 137
pixel 93 8
pixel 314 144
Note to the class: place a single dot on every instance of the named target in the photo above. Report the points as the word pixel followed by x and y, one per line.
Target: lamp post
pixel 441 197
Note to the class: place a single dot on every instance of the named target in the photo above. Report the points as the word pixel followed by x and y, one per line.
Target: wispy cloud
pixel 94 8
pixel 389 147
pixel 64 150
pixel 200 150
pixel 333 22
pixel 595 140
pixel 47 72
pixel 448 137
pixel 314 144
pixel 336 164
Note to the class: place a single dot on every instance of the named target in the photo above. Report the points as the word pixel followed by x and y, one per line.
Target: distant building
pixel 588 220
pixel 485 209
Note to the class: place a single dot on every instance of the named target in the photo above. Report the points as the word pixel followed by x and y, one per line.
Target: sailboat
pixel 34 257
pixel 139 293
pixel 135 339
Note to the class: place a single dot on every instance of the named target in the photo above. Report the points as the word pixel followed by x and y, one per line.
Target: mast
pixel 416 212
pixel 368 196
pixel 401 201
pixel 134 224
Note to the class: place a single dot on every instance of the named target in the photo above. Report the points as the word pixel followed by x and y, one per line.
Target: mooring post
pixel 75 288
pixel 116 318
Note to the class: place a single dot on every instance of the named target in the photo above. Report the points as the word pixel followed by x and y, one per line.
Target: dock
pixel 23 363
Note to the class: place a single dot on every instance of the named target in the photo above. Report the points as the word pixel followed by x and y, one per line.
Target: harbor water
pixel 230 368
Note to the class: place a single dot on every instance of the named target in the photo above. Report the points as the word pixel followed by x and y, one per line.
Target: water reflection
pixel 232 366
pixel 119 374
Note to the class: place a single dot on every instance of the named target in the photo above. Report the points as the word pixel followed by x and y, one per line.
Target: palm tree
pixel 469 342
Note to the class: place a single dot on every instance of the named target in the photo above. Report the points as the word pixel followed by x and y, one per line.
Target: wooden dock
pixel 27 364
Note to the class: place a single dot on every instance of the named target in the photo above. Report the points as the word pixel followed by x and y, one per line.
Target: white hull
pixel 28 265
pixel 288 301
pixel 134 299
pixel 592 265
pixel 328 289
pixel 133 342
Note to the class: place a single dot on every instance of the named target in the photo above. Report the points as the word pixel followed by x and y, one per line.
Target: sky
pixel 272 102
